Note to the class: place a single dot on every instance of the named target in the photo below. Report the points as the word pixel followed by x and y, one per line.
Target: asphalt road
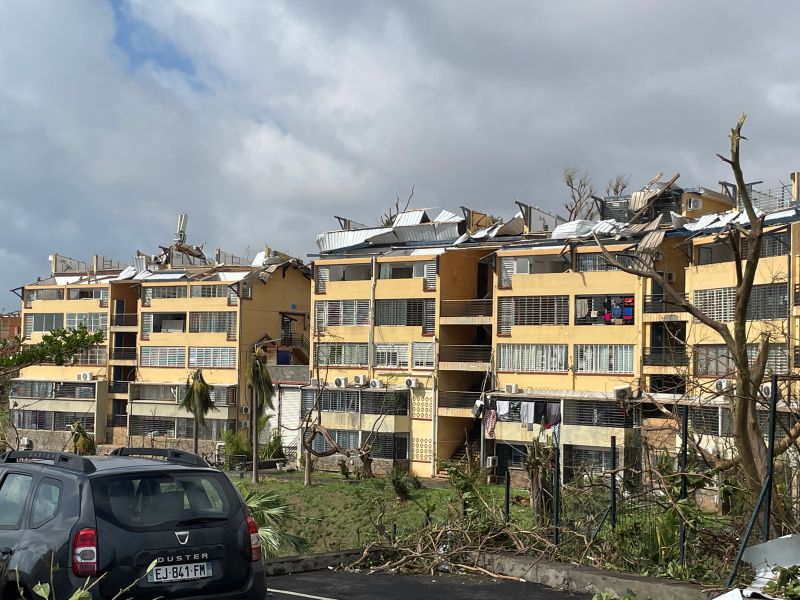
pixel 336 585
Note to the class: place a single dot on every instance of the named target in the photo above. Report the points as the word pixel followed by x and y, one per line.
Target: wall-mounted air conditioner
pixel 491 462
pixel 622 393
pixel 512 388
pixel 766 390
pixel 245 410
pixel 694 204
pixel 669 276
pixel 340 382
pixel 376 384
pixel 360 380
pixel 411 382
pixel 723 385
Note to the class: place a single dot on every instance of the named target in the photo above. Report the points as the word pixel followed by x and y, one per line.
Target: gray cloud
pixel 292 112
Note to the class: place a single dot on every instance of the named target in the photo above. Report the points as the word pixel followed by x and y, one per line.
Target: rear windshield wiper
pixel 198 520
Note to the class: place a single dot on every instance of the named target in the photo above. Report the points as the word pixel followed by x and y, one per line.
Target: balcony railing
pixel 661 303
pixel 296 340
pixel 468 354
pixel 123 353
pixel 466 308
pixel 119 387
pixel 125 320
pixel 458 399
pixel 666 357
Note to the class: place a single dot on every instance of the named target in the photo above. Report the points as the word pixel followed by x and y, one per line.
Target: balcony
pixel 118 387
pixel 465 358
pixel 297 341
pixel 124 322
pixel 466 312
pixel 123 354
pixel 458 399
pixel 661 303
pixel 666 357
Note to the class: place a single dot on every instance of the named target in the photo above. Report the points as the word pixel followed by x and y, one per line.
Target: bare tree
pixel 387 218
pixel 617 185
pixel 580 205
pixel 751 451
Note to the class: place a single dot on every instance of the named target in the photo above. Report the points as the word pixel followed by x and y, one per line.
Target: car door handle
pixel 6 552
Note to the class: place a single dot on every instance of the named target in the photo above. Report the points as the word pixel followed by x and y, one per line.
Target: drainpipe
pixel 435 407
pixel 790 300
pixel 371 337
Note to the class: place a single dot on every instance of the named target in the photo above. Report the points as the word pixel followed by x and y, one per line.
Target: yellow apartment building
pixel 163 318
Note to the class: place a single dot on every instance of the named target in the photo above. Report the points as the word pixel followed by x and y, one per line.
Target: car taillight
pixel 255 541
pixel 84 553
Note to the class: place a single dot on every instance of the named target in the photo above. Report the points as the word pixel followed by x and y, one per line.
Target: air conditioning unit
pixel 376 384
pixel 622 393
pixel 84 376
pixel 512 388
pixel 766 390
pixel 360 380
pixel 315 383
pixel 723 385
pixel 659 255
pixel 245 410
pixel 25 443
pixel 491 462
pixel 694 204
pixel 669 276
pixel 340 382
pixel 411 382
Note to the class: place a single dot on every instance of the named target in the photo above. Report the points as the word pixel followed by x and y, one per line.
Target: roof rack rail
pixel 66 460
pixel 170 454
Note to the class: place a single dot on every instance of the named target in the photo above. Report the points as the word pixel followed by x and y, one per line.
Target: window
pixel 158 393
pixel 341 354
pixel 767 302
pixel 323 274
pixel 345 439
pixel 96 355
pixel 585 461
pixel 13 494
pixel 40 420
pixel 595 261
pixel 87 293
pixel 333 273
pixel 716 303
pixel 162 323
pixel 48 294
pixel 422 355
pixel 348 313
pixel 385 403
pixel 32 389
pixel 704 420
pixel 45 502
pixel 213 322
pixel 162 356
pixel 604 310
pixel 43 322
pixel 392 446
pixel 596 413
pixel 211 291
pixel 772 244
pixel 604 358
pixel 532 358
pixel 91 321
pixel 212 429
pixel 397 270
pixel 164 292
pixel 404 313
pixel 391 355
pixel 211 357
pixel 531 310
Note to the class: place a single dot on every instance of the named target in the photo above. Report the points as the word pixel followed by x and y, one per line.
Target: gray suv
pixel 113 516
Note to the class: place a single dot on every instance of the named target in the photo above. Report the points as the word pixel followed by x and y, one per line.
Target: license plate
pixel 179 572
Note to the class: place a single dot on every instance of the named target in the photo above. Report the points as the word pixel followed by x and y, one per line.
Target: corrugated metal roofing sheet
pixel 127 273
pixel 410 217
pixel 447 217
pixel 334 240
pixel 651 241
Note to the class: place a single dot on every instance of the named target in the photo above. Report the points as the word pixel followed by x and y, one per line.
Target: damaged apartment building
pixel 163 316
pixel 440 332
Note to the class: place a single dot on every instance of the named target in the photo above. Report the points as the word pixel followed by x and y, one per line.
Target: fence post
pixel 613 481
pixel 508 494
pixel 773 406
pixel 556 493
pixel 682 467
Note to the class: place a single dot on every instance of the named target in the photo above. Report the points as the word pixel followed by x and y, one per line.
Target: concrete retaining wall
pixel 589 580
pixel 310 562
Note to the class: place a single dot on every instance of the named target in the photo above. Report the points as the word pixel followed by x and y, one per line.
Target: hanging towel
pixel 502 408
pixel 489 421
pixel 581 307
pixel 553 413
pixel 526 412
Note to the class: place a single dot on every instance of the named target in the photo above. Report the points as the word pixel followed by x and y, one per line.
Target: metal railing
pixel 458 399
pixel 661 303
pixel 477 354
pixel 771 199
pixel 119 387
pixel 466 308
pixel 296 340
pixel 123 353
pixel 666 357
pixel 125 320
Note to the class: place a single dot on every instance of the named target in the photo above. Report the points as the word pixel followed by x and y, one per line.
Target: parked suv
pixel 114 515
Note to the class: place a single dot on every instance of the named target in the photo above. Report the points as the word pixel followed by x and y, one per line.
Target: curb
pixel 310 562
pixel 581 579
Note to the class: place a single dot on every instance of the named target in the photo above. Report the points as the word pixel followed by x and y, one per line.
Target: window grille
pixel 347 313
pixel 345 439
pixel 507 270
pixel 772 244
pixel 91 321
pixel 604 358
pixel 406 313
pixel 597 413
pixel 595 261
pixel 323 273
pixel 767 302
pixel 704 419
pixel 392 446
pixel 532 358
pixel 212 357
pixel 32 419
pixel 140 425
pixel 164 292
pixel 391 355
pixel 422 355
pixel 593 461
pixel 160 392
pixel 162 356
pixel 63 421
pixel 429 274
pixel 212 322
pixel 341 354
pixel 210 291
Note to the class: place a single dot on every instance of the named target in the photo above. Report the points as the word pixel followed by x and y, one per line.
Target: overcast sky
pixel 264 119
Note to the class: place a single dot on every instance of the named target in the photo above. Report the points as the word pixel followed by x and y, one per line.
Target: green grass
pixel 334 514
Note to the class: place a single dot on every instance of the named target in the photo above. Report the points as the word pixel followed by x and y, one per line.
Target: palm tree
pixel 271 513
pixel 197 401
pixel 263 391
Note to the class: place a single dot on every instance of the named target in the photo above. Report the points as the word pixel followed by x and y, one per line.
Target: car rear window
pixel 150 501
